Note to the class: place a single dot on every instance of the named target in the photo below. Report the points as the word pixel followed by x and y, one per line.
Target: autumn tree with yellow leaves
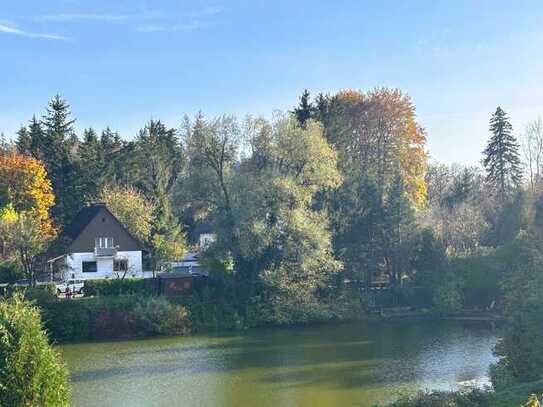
pixel 26 198
pixel 25 186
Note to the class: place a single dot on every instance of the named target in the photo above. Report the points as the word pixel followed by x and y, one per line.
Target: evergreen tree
pixel 91 164
pixel 501 156
pixel 158 159
pixel 23 142
pixel 460 190
pixel 5 146
pixel 111 147
pixel 168 240
pixel 37 141
pixel 304 110
pixel 322 108
pixel 57 153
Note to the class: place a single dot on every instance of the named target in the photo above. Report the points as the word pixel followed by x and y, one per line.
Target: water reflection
pixel 352 364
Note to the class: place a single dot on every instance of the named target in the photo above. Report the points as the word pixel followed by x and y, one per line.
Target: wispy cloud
pixel 74 17
pixel 10 29
pixel 206 11
pixel 67 17
pixel 151 28
pixel 190 26
pixel 146 21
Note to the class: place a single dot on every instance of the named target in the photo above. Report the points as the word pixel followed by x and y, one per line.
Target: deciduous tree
pixel 24 184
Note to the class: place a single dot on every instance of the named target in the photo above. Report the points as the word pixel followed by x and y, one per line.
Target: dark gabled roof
pixel 82 219
pixel 78 225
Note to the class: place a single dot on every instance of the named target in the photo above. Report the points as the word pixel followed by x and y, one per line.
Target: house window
pixel 103 242
pixel 120 265
pixel 89 267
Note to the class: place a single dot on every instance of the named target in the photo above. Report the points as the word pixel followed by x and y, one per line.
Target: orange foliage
pixel 379 128
pixel 24 185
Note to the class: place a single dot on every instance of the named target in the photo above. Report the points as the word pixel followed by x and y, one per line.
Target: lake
pixel 355 364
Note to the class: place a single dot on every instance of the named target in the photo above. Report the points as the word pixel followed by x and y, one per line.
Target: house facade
pixel 99 246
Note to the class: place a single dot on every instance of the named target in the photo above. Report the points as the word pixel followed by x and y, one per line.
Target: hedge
pixel 117 286
pixel 114 317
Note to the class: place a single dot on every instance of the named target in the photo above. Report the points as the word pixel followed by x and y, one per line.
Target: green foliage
pixel 158 316
pixel 473 398
pixel 478 276
pixel 519 348
pixel 501 375
pixel 24 236
pixel 131 208
pixel 515 395
pixel 31 372
pixel 118 286
pixel 114 317
pixel 501 156
pixel 288 310
pixel 42 294
pixel 10 271
pixel 262 206
pixel 56 150
pixel 304 111
pixel 447 297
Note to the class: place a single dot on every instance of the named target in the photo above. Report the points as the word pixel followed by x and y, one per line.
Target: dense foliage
pixel 118 286
pixel 122 316
pixel 31 373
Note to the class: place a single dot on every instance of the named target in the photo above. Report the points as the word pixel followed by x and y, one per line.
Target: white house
pixel 97 245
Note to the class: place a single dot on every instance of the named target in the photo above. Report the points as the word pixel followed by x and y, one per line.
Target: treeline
pixel 309 208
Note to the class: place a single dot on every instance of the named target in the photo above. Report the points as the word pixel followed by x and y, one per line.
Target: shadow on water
pixel 343 356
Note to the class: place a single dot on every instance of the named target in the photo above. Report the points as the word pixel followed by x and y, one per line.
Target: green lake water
pixel 355 364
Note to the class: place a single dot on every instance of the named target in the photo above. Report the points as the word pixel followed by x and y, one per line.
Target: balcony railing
pixel 105 251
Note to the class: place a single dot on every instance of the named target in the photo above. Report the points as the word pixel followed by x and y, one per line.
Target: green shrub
pixel 156 315
pixel 473 398
pixel 286 310
pixel 31 372
pixel 41 294
pixel 117 286
pixel 114 317
pixel 212 315
pixel 501 375
pixel 447 298
pixel 10 271
pixel 90 318
pixel 520 345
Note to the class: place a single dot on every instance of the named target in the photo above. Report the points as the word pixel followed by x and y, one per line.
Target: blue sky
pixel 122 62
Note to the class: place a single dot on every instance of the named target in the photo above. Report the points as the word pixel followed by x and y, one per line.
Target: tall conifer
pixel 501 156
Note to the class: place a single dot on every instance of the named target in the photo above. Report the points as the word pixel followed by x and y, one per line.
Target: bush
pixel 10 271
pixel 90 318
pixel 214 315
pixel 41 294
pixel 156 315
pixel 447 297
pixel 473 398
pixel 520 345
pixel 117 286
pixel 114 317
pixel 501 375
pixel 31 372
pixel 286 310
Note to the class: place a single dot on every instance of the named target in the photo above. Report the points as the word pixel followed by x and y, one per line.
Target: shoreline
pixel 421 316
